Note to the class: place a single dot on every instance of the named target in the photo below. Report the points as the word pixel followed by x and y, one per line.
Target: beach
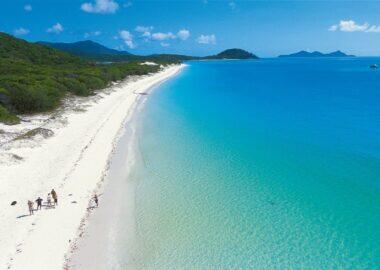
pixel 68 150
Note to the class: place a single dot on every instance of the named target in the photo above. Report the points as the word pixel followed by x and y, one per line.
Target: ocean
pixel 260 164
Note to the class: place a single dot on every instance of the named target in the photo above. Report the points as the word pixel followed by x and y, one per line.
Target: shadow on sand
pixel 22 216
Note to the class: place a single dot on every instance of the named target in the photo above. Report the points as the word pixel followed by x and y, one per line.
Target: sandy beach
pixel 70 151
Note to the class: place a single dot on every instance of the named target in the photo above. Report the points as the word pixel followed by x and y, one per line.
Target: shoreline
pixel 114 219
pixel 70 153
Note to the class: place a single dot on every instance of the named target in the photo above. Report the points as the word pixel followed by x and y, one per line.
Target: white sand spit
pixel 147 63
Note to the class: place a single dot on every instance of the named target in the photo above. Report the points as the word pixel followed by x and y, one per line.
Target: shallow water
pixel 268 164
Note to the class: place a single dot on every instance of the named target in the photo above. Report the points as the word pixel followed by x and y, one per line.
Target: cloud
pixel 352 26
pixel 92 34
pixel 28 8
pixel 127 37
pixel 232 4
pixel 56 28
pixel 147 34
pixel 183 34
pixel 333 28
pixel 144 30
pixel 163 36
pixel 100 6
pixel 165 44
pixel 21 31
pixel 207 39
pixel 373 29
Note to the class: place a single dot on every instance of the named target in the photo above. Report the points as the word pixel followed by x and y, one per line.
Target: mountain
pixel 84 48
pixel 317 54
pixel 233 54
pixel 35 78
pixel 339 54
pixel 97 52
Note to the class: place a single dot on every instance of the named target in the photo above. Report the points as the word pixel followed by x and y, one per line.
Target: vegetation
pixel 233 54
pixel 34 78
pixel 84 48
pixel 8 118
pixel 158 58
pixel 97 52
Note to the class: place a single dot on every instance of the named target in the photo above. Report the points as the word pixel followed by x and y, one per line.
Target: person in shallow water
pixel 55 197
pixel 30 206
pixel 39 203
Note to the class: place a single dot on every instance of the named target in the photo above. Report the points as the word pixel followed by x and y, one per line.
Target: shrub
pixel 7 117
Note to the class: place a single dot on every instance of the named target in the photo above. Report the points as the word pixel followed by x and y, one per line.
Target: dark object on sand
pixel 13 203
pixel 96 200
pixel 373 66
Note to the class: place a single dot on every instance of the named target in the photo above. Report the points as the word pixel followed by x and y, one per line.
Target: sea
pixel 259 164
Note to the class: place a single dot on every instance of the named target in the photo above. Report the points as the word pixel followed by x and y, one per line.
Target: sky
pixel 200 27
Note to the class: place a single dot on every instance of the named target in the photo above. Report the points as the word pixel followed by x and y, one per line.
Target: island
pixel 316 54
pixel 233 54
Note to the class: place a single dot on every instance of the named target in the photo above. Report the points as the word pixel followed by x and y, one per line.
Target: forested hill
pixel 14 50
pixel 98 52
pixel 84 48
pixel 233 54
pixel 34 78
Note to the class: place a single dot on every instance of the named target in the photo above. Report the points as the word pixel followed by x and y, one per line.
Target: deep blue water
pixel 265 164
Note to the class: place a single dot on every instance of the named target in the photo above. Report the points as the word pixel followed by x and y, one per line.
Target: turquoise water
pixel 268 164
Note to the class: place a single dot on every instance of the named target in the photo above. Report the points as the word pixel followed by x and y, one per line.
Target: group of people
pixel 52 194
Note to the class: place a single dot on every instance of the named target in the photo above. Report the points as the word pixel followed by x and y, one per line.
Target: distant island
pixel 233 54
pixel 97 52
pixel 317 54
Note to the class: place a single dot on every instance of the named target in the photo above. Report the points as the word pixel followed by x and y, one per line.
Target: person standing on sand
pixel 30 206
pixel 96 200
pixel 39 203
pixel 55 197
pixel 48 199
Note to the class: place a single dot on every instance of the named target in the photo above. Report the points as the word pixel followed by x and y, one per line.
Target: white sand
pixel 70 154
pixel 147 63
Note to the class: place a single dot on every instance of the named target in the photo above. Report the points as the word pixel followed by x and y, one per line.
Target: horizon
pixel 200 28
